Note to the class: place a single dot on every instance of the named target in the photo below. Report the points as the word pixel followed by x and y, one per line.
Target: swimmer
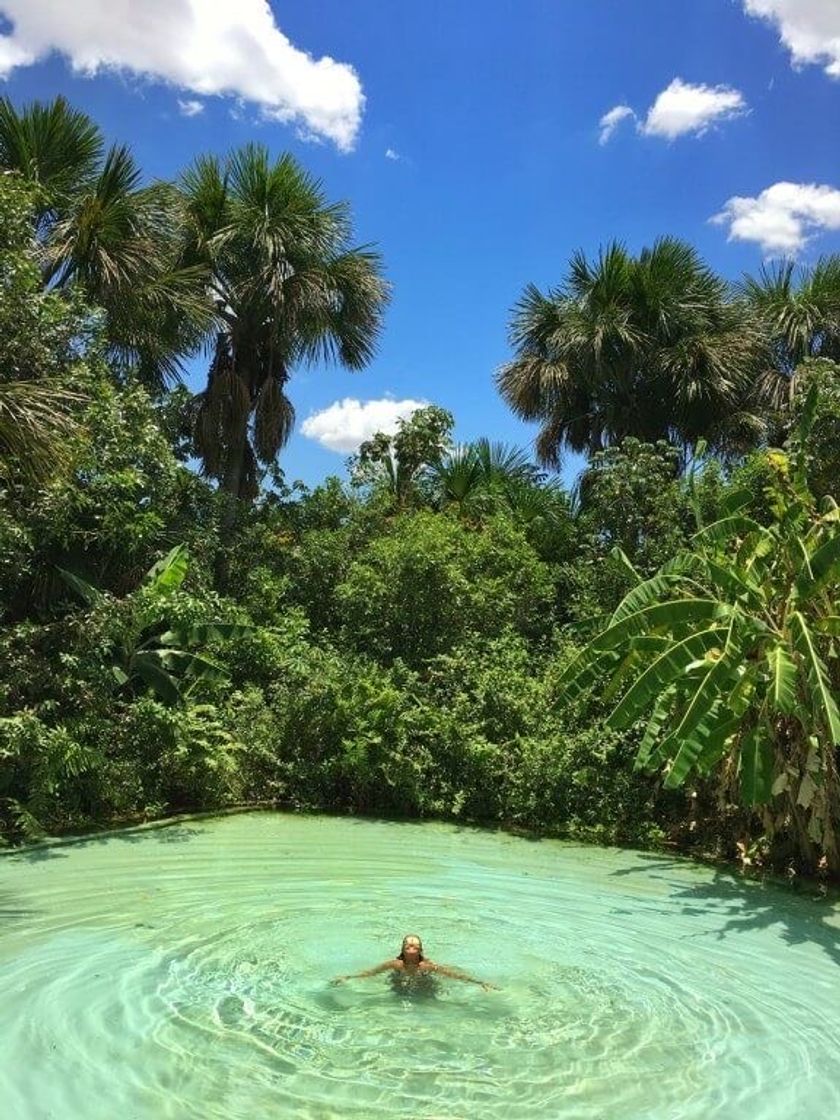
pixel 412 964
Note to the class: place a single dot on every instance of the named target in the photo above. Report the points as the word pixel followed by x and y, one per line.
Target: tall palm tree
pixel 799 312
pixel 287 288
pixel 105 233
pixel 650 346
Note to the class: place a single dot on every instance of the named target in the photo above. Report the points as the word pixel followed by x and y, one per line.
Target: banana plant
pixel 151 653
pixel 730 654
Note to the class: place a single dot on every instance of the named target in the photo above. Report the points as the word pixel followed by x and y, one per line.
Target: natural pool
pixel 182 972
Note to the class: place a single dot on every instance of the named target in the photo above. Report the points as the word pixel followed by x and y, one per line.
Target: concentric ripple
pixel 183 972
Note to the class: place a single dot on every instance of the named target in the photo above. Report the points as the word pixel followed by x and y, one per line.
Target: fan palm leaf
pixel 36 428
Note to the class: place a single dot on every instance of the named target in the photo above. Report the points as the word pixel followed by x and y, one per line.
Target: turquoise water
pixel 182 973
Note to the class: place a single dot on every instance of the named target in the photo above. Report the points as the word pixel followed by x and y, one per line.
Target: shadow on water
pixel 745 905
pixel 162 834
pixel 10 911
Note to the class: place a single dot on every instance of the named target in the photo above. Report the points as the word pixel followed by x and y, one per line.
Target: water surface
pixel 182 973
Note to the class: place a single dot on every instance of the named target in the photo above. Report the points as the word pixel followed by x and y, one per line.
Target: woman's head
pixel 412 948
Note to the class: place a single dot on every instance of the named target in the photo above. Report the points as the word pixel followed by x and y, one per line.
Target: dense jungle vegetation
pixel 651 659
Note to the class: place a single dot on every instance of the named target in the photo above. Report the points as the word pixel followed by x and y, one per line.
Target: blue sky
pixel 492 110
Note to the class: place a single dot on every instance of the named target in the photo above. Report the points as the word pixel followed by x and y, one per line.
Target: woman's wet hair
pixel 410 937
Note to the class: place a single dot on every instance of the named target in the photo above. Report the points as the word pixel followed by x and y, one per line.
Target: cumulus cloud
pixel 783 218
pixel 683 108
pixel 679 110
pixel 810 29
pixel 611 120
pixel 391 154
pixel 346 424
pixel 203 47
pixel 190 107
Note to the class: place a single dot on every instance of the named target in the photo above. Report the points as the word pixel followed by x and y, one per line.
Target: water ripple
pixel 184 973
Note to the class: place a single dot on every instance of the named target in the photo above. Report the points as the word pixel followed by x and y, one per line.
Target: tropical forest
pixel 647 659
pixel 566 705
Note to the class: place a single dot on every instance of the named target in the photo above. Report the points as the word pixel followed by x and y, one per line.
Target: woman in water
pixel 411 966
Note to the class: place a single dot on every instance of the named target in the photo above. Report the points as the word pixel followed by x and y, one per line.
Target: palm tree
pixel 286 287
pixel 484 468
pixel 799 311
pixel 485 478
pixel 103 232
pixel 36 427
pixel 649 346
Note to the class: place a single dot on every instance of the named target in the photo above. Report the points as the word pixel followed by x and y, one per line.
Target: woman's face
pixel 412 948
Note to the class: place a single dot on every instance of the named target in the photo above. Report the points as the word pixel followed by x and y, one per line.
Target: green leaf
pixel 806 416
pixel 706 696
pixel 653 589
pixel 168 573
pixel 755 548
pixel 732 580
pixel 205 632
pixel 671 613
pixel 86 591
pixel 782 679
pixel 715 735
pixel 593 664
pixel 186 662
pixel 736 500
pixel 704 747
pixel 822 697
pixel 736 525
pixel 202 668
pixel 622 557
pixel 157 678
pixel 824 565
pixel 661 710
pixel 586 670
pixel 756 767
pixel 661 672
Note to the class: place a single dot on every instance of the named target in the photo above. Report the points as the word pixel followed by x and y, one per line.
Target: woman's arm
pixel 368 972
pixel 457 974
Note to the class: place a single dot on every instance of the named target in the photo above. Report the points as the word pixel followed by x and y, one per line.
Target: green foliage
pixel 122 500
pixel 798 311
pixel 286 287
pixel 651 346
pixel 821 449
pixel 407 645
pixel 400 463
pixel 727 647
pixel 430 581
pixel 105 236
pixel 39 334
pixel 634 513
pixel 150 650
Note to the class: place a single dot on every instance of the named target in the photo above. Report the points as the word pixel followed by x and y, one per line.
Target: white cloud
pixel 345 424
pixel 204 47
pixel 190 107
pixel 683 108
pixel 611 120
pixel 679 110
pixel 391 154
pixel 783 218
pixel 810 29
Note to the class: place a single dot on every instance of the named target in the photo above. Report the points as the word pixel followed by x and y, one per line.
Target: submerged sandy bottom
pixel 183 973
